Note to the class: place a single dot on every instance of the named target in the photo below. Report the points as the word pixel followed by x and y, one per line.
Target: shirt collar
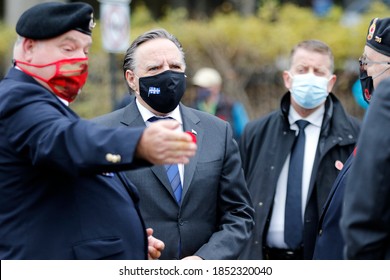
pixel 146 114
pixel 314 118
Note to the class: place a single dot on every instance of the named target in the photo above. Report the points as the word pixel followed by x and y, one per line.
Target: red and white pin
pixel 339 165
pixel 192 134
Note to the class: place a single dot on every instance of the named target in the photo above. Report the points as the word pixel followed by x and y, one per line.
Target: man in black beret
pixel 374 68
pixel 365 221
pixel 49 20
pixel 62 195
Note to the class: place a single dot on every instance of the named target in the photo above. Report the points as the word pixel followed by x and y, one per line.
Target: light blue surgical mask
pixel 309 90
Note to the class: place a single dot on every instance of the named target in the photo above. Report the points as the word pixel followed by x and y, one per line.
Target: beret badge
pixel 371 29
pixel 92 24
pixel 378 35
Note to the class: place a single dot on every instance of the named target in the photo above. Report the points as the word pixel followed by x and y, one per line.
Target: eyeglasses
pixel 364 62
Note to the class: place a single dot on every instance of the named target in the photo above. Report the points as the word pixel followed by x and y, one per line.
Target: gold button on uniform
pixel 113 158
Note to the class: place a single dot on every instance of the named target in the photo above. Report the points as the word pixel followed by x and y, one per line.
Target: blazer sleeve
pixel 52 136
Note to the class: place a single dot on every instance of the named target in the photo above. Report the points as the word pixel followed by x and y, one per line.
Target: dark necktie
pixel 172 170
pixel 293 225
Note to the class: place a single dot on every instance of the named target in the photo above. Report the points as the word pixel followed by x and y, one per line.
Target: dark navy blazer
pixel 329 243
pixel 61 193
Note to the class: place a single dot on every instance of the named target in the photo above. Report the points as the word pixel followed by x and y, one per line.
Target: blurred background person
pixel 126 99
pixel 209 99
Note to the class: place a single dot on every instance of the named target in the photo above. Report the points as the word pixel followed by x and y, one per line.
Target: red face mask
pixel 68 79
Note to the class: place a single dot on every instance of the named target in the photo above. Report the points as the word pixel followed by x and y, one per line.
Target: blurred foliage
pixel 249 52
pixel 7 36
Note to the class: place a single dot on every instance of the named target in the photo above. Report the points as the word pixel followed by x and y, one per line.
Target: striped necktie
pixel 172 170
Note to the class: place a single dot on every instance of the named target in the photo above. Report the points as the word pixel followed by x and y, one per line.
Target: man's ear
pixel 331 83
pixel 28 46
pixel 131 80
pixel 287 79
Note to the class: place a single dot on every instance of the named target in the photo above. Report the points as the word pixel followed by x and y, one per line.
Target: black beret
pixel 378 35
pixel 51 19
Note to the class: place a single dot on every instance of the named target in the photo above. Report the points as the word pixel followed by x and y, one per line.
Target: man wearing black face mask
pixel 365 217
pixel 201 210
pixel 374 64
pixel 374 67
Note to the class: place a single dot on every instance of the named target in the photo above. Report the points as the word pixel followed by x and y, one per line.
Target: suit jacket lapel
pixel 191 122
pixel 132 117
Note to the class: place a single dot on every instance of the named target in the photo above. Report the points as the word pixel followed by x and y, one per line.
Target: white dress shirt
pixel 275 236
pixel 175 114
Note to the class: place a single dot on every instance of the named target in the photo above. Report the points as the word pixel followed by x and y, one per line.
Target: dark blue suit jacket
pixel 329 243
pixel 60 195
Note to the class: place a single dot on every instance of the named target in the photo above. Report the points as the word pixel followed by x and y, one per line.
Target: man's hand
pixel 155 246
pixel 161 144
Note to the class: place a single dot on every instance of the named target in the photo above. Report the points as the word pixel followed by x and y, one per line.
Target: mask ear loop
pixel 366 94
pixel 292 79
pixel 381 73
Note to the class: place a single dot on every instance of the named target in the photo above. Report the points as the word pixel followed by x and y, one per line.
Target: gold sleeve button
pixel 113 158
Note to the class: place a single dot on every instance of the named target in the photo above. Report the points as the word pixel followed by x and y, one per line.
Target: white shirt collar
pixel 314 118
pixel 62 100
pixel 146 114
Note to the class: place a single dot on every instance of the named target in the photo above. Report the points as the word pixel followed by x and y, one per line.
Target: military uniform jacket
pixel 215 218
pixel 264 147
pixel 60 194
pixel 365 219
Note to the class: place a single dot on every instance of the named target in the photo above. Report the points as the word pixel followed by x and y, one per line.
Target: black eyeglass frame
pixel 364 62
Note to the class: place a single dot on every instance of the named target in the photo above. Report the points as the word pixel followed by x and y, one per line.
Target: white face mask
pixel 309 90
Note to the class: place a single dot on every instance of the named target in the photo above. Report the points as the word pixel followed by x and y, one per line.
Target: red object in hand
pixel 192 135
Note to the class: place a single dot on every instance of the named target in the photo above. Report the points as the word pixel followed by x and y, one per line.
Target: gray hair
pixel 129 61
pixel 17 49
pixel 314 46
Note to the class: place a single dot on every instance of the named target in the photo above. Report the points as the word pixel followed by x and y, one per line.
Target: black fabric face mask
pixel 367 85
pixel 163 91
